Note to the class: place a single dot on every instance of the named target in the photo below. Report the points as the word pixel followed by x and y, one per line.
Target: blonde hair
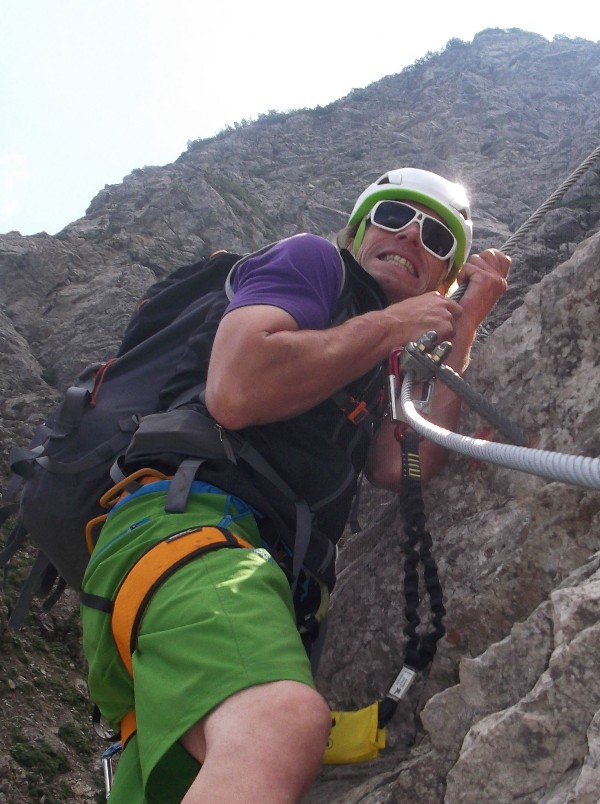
pixel 344 237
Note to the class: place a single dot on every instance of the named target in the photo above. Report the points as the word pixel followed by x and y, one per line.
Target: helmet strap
pixel 449 278
pixel 358 237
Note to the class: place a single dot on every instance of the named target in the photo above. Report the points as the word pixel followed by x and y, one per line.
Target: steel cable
pixel 574 469
pixel 540 212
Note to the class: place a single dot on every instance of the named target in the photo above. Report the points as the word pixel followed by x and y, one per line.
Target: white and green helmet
pixel 446 198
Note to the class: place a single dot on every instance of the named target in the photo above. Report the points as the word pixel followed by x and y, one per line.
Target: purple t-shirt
pixel 302 275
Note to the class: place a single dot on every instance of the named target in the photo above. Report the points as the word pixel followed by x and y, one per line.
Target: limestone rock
pixel 510 708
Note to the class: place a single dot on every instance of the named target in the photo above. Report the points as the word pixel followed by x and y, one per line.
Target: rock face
pixel 511 115
pixel 510 708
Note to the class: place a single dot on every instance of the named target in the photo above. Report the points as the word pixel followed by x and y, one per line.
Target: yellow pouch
pixel 354 737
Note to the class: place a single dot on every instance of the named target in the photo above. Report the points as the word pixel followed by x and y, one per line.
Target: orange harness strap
pixel 128 728
pixel 117 492
pixel 145 577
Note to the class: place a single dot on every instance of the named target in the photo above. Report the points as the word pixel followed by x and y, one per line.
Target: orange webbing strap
pixel 117 492
pixel 150 571
pixel 140 478
pixel 127 728
pixel 142 581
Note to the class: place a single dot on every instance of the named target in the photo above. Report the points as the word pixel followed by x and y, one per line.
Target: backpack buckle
pixel 359 413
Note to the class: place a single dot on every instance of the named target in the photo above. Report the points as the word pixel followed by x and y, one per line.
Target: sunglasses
pixel 394 216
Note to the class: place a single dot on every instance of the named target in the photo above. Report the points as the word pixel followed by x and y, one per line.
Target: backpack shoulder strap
pixel 360 292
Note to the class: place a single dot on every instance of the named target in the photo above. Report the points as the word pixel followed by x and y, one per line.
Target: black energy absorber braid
pixel 420 648
pixel 423 361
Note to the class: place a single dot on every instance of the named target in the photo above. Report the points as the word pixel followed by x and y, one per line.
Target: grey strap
pixel 30 588
pixel 180 486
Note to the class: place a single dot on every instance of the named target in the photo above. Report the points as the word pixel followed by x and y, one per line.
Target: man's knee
pixel 281 711
pixel 285 720
pixel 296 730
pixel 305 713
pixel 315 707
pixel 288 708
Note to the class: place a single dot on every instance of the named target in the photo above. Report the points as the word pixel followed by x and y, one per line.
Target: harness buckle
pixel 359 413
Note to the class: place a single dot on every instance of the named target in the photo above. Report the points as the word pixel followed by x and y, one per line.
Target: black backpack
pixel 146 403
pixel 72 458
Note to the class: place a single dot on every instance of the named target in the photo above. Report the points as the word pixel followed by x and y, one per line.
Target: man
pixel 225 702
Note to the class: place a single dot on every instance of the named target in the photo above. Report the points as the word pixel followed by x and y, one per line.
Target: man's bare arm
pixel 263 368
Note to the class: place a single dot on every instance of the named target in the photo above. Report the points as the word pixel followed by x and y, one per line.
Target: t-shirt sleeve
pixel 302 275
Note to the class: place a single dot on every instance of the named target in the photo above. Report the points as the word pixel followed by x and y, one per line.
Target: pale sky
pixel 92 89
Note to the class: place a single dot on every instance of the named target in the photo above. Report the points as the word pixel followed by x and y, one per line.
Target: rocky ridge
pixel 509 710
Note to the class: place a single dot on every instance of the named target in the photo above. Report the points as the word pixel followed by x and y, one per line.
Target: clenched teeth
pixel 402 262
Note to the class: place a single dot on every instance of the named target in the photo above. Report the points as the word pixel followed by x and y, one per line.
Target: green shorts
pixel 221 623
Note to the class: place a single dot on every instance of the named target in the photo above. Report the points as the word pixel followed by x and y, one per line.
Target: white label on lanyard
pixel 402 683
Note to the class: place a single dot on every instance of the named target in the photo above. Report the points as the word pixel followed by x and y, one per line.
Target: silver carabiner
pixel 107 767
